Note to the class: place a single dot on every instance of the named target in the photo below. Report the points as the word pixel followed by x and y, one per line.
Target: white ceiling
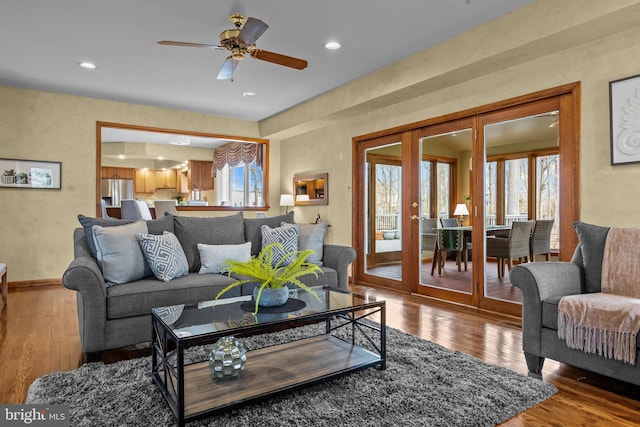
pixel 43 41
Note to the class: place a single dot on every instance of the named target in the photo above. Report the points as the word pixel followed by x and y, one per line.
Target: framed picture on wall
pixel 624 99
pixel 30 174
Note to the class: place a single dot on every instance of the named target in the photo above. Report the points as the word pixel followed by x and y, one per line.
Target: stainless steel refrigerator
pixel 114 190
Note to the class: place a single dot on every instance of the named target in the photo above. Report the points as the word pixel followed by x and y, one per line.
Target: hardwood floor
pixel 39 335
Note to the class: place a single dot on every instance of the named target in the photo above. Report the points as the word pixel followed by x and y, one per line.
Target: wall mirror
pixel 167 164
pixel 311 189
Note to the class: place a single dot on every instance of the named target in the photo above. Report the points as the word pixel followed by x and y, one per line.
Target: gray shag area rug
pixel 424 385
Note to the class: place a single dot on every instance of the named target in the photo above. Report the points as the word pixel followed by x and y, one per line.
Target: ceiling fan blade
pixel 187 44
pixel 277 58
pixel 251 30
pixel 226 71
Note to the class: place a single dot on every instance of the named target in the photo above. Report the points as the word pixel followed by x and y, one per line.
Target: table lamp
pixel 461 211
pixel 286 200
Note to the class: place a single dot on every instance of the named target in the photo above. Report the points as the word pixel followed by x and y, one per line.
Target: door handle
pixel 414 204
pixel 414 217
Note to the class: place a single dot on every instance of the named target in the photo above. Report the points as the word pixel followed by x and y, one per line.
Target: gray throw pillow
pixel 311 237
pixel 119 254
pixel 227 230
pixel 287 236
pixel 164 255
pixel 253 233
pixel 214 257
pixel 88 223
pixel 592 239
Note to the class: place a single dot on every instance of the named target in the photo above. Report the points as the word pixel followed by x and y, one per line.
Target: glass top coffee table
pixel 349 341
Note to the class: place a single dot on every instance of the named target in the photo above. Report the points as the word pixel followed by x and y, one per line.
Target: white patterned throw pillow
pixel 214 257
pixel 164 255
pixel 287 236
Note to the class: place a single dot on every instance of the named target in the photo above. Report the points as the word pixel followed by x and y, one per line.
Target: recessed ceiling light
pixel 87 65
pixel 249 94
pixel 179 140
pixel 160 158
pixel 332 45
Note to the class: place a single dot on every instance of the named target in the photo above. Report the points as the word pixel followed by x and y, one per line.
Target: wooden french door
pixel 411 177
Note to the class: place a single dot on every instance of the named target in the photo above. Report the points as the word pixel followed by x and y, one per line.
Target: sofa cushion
pixel 88 223
pixel 550 312
pixel 287 237
pixel 139 297
pixel 119 254
pixel 592 239
pixel 160 225
pixel 214 257
pixel 164 255
pixel 253 233
pixel 311 237
pixel 228 230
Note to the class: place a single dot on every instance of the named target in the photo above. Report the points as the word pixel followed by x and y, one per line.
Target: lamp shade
pixel 286 200
pixel 302 198
pixel 461 209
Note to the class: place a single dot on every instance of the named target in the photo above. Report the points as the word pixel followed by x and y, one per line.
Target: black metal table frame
pixel 169 376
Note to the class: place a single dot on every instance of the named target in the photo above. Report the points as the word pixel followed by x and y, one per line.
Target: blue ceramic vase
pixel 271 297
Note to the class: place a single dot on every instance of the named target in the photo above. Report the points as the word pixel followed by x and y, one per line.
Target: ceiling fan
pixel 240 41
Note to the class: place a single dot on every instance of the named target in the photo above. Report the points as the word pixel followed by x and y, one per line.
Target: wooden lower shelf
pixel 271 371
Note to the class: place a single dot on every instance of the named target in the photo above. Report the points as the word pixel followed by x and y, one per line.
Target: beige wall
pixel 607 193
pixel 36 225
pixel 547 44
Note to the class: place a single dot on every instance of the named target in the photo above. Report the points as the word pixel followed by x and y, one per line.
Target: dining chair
pixel 540 241
pixel 516 246
pixel 165 206
pixel 142 209
pixel 128 209
pixel 458 244
pixel 103 207
pixel 428 234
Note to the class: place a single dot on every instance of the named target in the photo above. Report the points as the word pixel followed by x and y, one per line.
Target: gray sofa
pixel 543 284
pixel 117 316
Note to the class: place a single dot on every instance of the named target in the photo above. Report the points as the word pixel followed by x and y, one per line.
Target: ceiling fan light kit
pixel 240 41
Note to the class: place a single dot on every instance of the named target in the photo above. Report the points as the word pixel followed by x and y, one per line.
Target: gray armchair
pixel 543 284
pixel 516 246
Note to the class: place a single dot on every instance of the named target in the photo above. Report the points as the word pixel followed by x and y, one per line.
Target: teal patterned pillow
pixel 164 255
pixel 287 236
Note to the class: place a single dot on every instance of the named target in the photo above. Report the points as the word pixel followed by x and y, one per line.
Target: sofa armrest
pixel 538 282
pixel 339 257
pixel 84 276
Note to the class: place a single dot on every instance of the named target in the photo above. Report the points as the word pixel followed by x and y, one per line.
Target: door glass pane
pixel 383 205
pixel 445 160
pixel 508 147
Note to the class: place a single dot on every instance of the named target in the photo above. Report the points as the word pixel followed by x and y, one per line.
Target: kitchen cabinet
pixel 166 179
pixel 117 173
pixel 200 175
pixel 145 181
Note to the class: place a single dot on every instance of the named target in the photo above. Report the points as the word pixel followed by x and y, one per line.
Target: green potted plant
pixel 272 278
pixel 9 176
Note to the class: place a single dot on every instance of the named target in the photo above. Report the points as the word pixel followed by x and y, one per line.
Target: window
pixel 436 187
pixel 240 186
pixel 510 197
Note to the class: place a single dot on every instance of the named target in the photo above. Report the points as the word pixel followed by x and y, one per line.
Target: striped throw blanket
pixel 607 322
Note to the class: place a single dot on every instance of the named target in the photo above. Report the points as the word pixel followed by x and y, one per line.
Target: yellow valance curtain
pixel 235 154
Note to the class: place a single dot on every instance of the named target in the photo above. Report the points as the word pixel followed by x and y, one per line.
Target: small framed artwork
pixel 624 99
pixel 30 174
